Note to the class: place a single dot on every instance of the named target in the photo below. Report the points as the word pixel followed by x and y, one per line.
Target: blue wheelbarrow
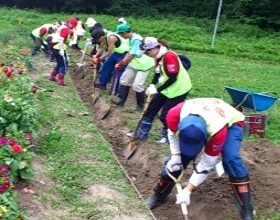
pixel 251 100
pixel 258 102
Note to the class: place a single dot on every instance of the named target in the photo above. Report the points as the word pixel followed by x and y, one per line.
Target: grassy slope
pixel 210 73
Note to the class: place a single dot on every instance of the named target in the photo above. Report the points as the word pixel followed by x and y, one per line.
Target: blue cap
pixel 192 135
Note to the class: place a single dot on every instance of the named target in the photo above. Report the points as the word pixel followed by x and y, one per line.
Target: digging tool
pixel 179 189
pixel 81 63
pixel 95 95
pixel 133 144
pixel 109 108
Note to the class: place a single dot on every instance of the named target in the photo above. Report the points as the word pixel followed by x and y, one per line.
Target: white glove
pixel 61 53
pixel 151 90
pixel 184 197
pixel 174 163
pixel 88 42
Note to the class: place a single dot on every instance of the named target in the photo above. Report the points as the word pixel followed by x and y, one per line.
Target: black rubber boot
pixel 140 100
pixel 160 194
pixel 123 94
pixel 242 196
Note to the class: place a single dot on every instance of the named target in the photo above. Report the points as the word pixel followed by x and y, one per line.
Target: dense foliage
pixel 264 14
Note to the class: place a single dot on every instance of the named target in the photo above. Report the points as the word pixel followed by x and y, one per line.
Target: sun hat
pixel 192 135
pixel 121 28
pixel 148 43
pixel 72 21
pixel 122 21
pixel 90 22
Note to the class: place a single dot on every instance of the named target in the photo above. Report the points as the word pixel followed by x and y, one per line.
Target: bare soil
pixel 213 199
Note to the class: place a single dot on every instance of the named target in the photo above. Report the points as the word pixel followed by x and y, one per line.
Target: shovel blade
pixel 130 149
pixel 95 97
pixel 107 111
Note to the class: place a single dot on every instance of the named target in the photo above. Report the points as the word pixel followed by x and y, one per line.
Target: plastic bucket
pixel 255 124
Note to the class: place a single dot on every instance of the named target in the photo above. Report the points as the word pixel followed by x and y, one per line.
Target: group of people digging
pixel 208 127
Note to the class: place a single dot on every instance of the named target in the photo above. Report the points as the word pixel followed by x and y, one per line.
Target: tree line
pixel 264 14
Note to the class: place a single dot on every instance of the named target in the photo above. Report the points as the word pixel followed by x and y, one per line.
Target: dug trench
pixel 213 199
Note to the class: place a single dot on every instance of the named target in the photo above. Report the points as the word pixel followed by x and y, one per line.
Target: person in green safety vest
pixel 112 49
pixel 137 70
pixel 170 85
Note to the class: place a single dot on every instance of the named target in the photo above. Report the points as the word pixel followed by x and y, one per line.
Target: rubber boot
pixel 144 129
pixel 140 100
pixel 60 80
pixel 242 196
pixel 160 194
pixel 53 75
pixel 123 94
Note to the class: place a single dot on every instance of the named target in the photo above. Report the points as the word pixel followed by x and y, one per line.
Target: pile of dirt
pixel 213 199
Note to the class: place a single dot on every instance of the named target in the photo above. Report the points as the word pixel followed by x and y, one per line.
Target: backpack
pixel 185 61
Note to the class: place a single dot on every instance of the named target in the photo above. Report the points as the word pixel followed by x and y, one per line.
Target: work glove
pixel 119 65
pixel 174 164
pixel 61 53
pixel 88 42
pixel 151 90
pixel 184 197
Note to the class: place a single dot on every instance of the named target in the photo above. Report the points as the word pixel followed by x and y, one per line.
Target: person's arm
pixel 42 32
pixel 173 119
pixel 110 48
pixel 171 67
pixel 209 157
pixel 63 37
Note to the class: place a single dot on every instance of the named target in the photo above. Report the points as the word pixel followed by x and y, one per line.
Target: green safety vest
pixel 124 46
pixel 181 86
pixel 143 62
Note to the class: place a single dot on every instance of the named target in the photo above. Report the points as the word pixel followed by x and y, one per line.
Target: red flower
pixel 12 142
pixel 17 148
pixel 28 136
pixel 4 169
pixel 4 184
pixel 4 140
pixel 9 74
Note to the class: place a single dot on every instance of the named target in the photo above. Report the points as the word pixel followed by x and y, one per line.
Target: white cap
pixel 90 22
pixel 149 43
pixel 122 21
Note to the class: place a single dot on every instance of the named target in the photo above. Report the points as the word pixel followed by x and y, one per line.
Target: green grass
pixel 79 157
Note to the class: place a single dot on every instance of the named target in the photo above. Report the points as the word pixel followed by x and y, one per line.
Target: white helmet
pixel 90 22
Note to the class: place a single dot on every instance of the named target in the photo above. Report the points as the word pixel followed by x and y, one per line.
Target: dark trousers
pixel 61 65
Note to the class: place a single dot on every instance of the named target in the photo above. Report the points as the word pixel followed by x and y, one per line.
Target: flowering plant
pixel 17 159
pixel 18 108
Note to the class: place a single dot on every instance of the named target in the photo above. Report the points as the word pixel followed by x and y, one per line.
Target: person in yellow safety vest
pixel 171 85
pixel 212 129
pixel 79 33
pixel 38 36
pixel 60 40
pixel 137 70
pixel 115 48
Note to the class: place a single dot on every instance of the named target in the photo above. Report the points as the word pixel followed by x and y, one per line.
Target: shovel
pixel 81 63
pixel 110 108
pixel 133 144
pixel 179 189
pixel 95 95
